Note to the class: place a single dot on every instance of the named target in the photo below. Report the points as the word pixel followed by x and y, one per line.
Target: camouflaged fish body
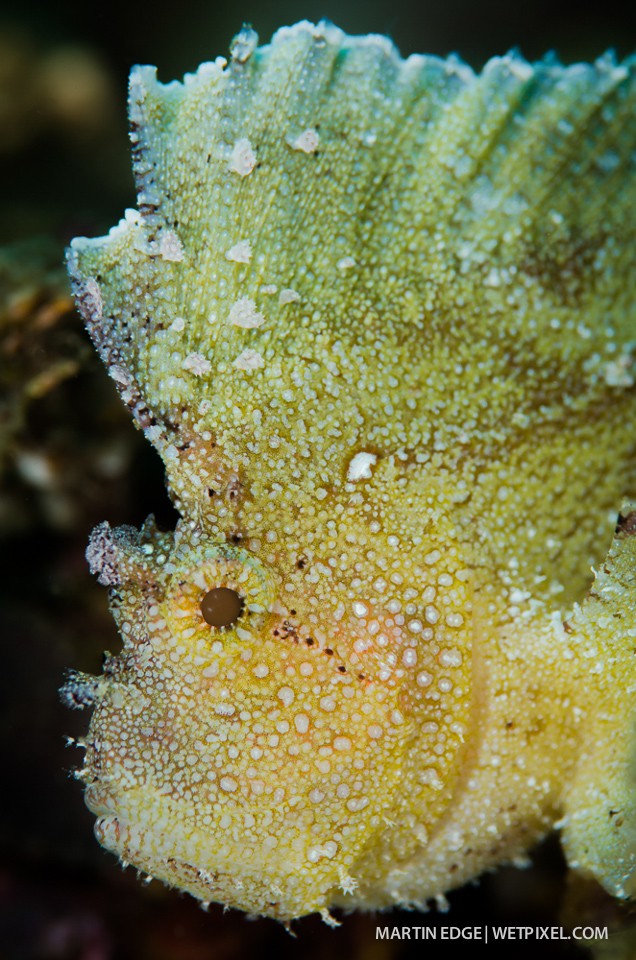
pixel 377 317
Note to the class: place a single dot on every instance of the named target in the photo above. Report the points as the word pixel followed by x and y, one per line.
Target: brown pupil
pixel 221 607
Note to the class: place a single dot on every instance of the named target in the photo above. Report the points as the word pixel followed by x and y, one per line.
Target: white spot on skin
pixel 620 372
pixel 243 159
pixel 120 375
pixel 244 314
pixel 197 364
pixel 430 777
pixel 241 252
pixel 328 849
pixel 288 296
pixel 450 658
pixel 432 614
pixel 224 709
pixel 346 263
pixel 301 722
pixel 249 360
pixel 307 142
pixel 170 247
pixel 178 325
pixel 94 295
pixel 454 619
pixel 409 657
pixel 360 466
pixel 286 694
pixel 228 784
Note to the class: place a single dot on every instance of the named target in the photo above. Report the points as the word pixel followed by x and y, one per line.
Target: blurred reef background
pixel 70 457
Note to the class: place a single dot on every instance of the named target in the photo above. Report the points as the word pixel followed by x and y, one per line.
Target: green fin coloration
pixel 524 172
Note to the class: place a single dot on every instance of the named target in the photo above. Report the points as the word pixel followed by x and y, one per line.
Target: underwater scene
pixel 318 480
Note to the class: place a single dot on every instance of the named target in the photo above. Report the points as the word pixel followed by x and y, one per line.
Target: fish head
pixel 231 752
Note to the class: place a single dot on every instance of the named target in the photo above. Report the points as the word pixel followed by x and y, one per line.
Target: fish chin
pixel 262 828
pixel 257 882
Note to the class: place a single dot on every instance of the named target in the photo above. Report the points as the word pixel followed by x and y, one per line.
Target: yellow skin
pixel 377 316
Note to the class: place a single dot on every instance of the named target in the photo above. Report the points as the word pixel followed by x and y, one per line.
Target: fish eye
pixel 222 607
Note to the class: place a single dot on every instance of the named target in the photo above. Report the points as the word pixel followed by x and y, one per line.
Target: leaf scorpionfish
pixel 378 318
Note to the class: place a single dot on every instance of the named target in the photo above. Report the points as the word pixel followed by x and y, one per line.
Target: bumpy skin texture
pixel 377 316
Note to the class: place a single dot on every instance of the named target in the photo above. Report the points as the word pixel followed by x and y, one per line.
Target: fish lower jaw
pixel 274 890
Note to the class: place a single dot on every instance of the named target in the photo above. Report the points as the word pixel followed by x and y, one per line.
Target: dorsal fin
pixel 323 177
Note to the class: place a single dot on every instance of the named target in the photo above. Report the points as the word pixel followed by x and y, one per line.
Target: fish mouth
pixel 108 830
pixel 101 801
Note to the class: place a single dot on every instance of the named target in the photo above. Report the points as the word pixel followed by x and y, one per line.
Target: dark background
pixel 64 169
